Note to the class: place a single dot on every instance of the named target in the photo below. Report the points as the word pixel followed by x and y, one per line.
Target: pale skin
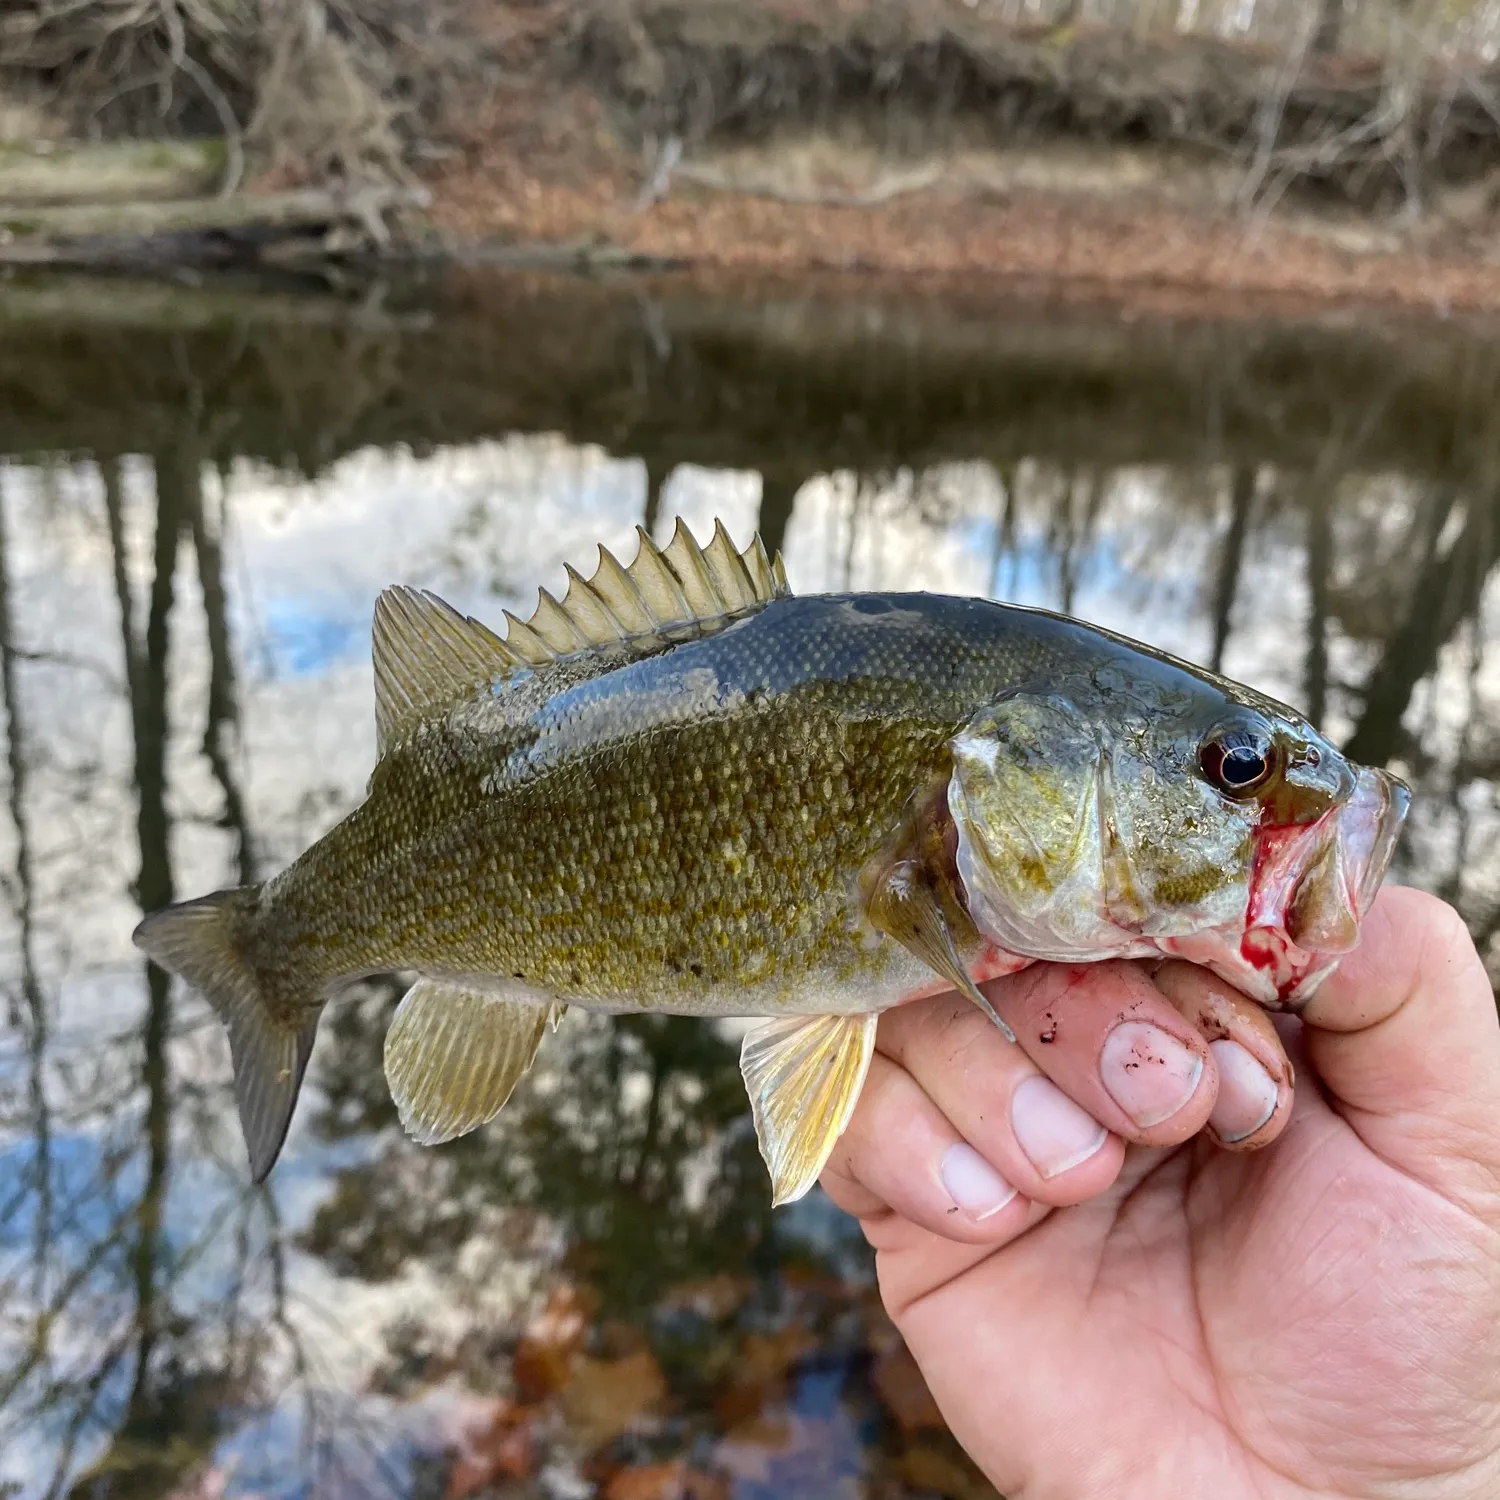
pixel 1310 1310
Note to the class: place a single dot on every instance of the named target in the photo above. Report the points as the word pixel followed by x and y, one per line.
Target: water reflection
pixel 590 1297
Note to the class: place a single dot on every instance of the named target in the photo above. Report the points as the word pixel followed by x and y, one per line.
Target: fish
pixel 683 789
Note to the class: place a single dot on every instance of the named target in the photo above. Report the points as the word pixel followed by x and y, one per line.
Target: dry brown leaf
pixel 543 1361
pixel 605 1398
pixel 759 1373
pixel 503 1447
pixel 769 1431
pixel 714 1297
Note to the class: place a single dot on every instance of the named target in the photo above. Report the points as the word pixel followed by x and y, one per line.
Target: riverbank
pixel 932 138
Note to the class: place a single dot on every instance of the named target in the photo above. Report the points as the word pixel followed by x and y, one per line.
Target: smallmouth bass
pixel 683 789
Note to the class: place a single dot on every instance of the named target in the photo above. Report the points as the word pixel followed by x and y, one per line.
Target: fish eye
pixel 1239 758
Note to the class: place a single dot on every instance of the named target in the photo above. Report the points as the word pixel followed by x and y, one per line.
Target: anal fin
pixel 803 1075
pixel 453 1054
pixel 904 906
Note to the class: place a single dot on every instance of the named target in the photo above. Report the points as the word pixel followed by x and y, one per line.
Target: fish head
pixel 1176 815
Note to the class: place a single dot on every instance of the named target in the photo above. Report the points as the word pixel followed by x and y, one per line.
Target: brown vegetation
pixel 1326 150
pixel 938 137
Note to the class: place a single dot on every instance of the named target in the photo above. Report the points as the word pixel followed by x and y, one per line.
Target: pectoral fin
pixel 904 906
pixel 803 1076
pixel 453 1055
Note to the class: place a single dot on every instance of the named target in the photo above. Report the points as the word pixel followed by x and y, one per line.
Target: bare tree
pixel 778 498
pixel 1231 559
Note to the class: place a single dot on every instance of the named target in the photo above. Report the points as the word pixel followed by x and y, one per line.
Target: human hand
pixel 1317 1319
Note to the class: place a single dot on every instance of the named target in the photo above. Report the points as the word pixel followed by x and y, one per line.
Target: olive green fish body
pixel 684 832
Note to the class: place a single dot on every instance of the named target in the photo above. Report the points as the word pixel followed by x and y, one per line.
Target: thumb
pixel 1405 1037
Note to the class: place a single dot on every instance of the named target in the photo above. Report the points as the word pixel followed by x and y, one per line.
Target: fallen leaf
pixel 713 1297
pixel 606 1397
pixel 543 1361
pixel 816 1283
pixel 758 1374
pixel 501 1448
pixel 769 1432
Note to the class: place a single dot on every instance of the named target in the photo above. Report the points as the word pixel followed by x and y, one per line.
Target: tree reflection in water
pixel 591 1296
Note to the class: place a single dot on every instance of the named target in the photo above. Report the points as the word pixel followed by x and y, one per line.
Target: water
pixel 201 491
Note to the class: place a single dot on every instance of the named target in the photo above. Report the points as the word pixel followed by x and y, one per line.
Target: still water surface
pixel 201 493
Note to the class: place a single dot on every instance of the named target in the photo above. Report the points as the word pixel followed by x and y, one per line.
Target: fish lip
pixel 1362 830
pixel 1390 799
pixel 1367 828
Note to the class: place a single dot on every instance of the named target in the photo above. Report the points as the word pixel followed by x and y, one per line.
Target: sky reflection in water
pixel 591 1296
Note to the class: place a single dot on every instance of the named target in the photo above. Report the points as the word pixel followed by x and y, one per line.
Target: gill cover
pixel 1083 837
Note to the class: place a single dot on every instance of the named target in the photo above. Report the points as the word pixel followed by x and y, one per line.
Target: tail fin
pixel 202 941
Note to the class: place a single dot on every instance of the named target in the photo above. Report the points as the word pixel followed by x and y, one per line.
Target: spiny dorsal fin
pixel 662 597
pixel 663 592
pixel 428 656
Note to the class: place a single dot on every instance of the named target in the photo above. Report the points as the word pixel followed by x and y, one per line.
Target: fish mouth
pixel 1311 889
pixel 1370 823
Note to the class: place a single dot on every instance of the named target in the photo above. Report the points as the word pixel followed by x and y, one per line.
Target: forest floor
pixel 561 183
pixel 757 136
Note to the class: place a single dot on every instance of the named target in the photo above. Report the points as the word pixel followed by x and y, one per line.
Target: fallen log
pixel 269 228
pixel 110 172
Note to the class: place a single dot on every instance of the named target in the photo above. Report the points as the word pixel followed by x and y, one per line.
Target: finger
pixel 1404 1036
pixel 1255 1076
pixel 912 1262
pixel 1113 1043
pixel 999 1101
pixel 901 1155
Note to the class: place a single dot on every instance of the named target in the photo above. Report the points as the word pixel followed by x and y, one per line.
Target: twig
pixel 1269 116
pixel 234 164
pixel 660 178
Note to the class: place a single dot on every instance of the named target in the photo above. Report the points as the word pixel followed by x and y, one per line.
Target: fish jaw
pixel 1310 891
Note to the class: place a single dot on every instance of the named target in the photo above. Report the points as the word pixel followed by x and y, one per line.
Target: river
pixel 202 489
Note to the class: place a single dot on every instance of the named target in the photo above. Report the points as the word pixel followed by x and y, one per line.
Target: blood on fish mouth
pixel 1310 881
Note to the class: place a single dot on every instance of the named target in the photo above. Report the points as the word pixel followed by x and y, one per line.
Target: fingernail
pixel 1247 1093
pixel 1053 1131
pixel 1148 1073
pixel 973 1183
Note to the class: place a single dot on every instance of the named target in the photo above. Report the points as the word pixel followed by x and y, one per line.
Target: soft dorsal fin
pixel 429 657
